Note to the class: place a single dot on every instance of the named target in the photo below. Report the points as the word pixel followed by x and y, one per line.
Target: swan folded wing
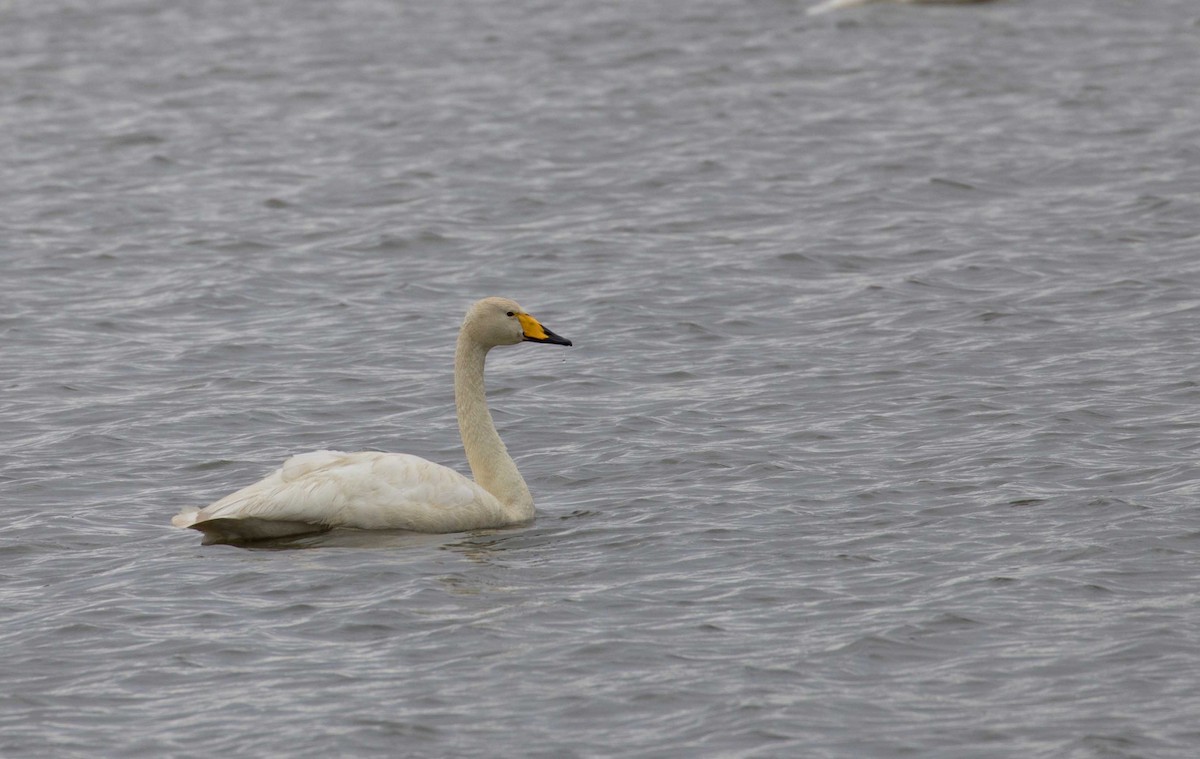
pixel 368 490
pixel 419 495
pixel 268 497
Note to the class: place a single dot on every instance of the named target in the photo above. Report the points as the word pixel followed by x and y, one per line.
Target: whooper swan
pixel 314 492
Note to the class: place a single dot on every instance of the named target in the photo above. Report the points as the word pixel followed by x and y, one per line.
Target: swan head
pixel 501 321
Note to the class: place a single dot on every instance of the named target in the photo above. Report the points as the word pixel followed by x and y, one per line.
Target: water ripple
pixel 878 435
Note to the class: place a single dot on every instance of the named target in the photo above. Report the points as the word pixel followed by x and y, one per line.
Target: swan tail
pixel 187 517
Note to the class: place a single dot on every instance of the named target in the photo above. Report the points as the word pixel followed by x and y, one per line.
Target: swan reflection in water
pixel 348 537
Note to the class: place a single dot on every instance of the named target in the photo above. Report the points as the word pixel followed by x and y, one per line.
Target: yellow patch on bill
pixel 531 327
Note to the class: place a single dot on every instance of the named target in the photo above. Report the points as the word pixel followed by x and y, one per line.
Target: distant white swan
pixel 317 491
pixel 831 5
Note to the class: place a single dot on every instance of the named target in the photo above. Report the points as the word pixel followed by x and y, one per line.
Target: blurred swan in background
pixel 832 5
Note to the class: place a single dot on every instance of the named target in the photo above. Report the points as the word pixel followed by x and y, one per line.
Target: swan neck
pixel 491 466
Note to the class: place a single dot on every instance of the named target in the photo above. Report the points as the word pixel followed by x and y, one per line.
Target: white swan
pixel 830 5
pixel 317 491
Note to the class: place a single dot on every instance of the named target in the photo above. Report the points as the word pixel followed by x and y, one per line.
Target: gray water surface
pixel 878 439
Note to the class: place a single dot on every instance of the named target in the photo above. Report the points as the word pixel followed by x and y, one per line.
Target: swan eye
pixel 510 313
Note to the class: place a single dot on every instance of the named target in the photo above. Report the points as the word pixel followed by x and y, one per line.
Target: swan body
pixel 317 491
pixel 831 5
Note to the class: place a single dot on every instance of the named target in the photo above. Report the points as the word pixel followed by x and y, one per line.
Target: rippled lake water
pixel 878 439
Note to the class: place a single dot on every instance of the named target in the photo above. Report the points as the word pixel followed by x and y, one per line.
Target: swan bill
pixel 532 331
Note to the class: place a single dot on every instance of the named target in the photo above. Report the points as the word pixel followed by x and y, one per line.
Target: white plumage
pixel 317 491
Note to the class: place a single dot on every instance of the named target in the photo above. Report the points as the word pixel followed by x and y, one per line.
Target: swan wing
pixel 368 490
